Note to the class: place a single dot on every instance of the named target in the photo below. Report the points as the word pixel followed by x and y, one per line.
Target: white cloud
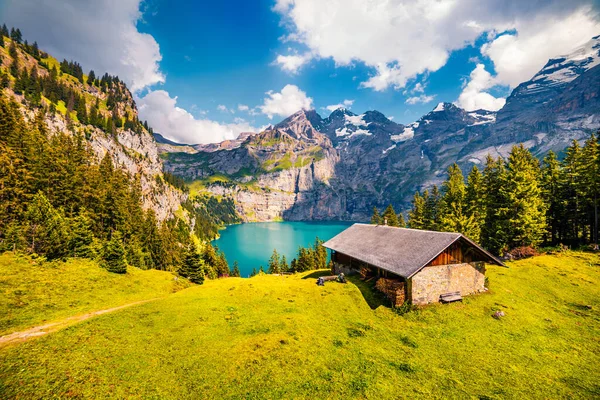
pixel 419 88
pixel 344 104
pixel 520 56
pixel 290 100
pixel 421 99
pixel 101 35
pixel 224 109
pixel 293 62
pixel 177 124
pixel 474 97
pixel 243 107
pixel 385 77
pixel 402 39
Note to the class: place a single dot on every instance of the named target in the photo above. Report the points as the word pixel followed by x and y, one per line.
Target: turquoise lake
pixel 252 244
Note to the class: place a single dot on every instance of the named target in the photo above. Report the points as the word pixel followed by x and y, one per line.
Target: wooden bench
pixel 450 297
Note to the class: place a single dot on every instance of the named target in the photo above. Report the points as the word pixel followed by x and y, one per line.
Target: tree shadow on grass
pixel 318 274
pixel 372 296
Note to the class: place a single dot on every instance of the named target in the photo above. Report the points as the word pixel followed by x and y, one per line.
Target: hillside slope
pixel 102 110
pixel 285 337
pixel 36 292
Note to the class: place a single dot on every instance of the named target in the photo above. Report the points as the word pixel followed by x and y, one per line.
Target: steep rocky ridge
pixel 339 167
pixel 133 150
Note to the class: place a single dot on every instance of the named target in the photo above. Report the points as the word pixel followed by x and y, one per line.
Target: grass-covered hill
pixel 35 292
pixel 285 337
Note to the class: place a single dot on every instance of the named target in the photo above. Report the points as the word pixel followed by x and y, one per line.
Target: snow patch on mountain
pixel 392 147
pixel 481 119
pixel 407 134
pixel 355 119
pixel 568 67
pixel 439 107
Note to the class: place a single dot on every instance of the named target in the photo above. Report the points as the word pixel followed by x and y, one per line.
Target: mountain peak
pixel 567 67
pixel 444 106
pixel 303 123
pixel 340 112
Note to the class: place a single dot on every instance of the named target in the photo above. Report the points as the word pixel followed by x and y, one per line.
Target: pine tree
pixel 222 266
pixel 116 118
pixel 452 215
pixel 553 197
pixel 253 273
pixel 591 182
pixel 294 265
pixel 283 264
pixel 261 270
pixel 376 218
pixel 389 216
pixel 495 230
pixel 214 262
pixel 475 202
pixel 416 216
pixel 401 221
pixel 91 78
pixel 235 272
pixel 573 193
pixel 192 266
pixel 113 254
pixel 82 237
pixel 306 260
pixel 526 208
pixel 82 115
pixel 4 80
pixel 46 229
pixel 15 34
pixel 35 51
pixel 4 30
pixel 432 204
pixel 319 254
pixel 274 263
pixel 14 67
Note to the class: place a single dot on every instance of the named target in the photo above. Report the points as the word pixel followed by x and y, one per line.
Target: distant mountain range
pixel 339 167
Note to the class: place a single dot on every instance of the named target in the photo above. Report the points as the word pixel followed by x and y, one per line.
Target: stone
pixel 498 314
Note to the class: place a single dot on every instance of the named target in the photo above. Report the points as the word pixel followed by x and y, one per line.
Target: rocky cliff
pixel 313 168
pixel 132 147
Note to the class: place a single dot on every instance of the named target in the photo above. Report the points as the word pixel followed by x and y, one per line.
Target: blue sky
pixel 205 71
pixel 213 56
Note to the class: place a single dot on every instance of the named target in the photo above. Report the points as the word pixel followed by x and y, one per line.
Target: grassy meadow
pixel 33 292
pixel 285 337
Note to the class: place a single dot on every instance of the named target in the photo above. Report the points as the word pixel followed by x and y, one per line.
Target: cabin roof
pixel 401 251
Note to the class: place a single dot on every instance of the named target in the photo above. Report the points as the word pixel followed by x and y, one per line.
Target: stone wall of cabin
pixel 431 282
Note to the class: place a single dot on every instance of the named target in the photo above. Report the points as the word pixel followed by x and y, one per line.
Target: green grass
pixel 61 107
pixel 198 187
pixel 51 62
pixel 33 292
pixel 285 337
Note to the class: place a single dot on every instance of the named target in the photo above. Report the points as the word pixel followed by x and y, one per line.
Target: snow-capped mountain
pixel 566 68
pixel 343 125
pixel 309 167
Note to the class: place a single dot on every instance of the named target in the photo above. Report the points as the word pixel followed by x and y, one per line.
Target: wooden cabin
pixel 410 264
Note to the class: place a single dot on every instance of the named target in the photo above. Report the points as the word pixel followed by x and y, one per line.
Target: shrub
pixel 404 308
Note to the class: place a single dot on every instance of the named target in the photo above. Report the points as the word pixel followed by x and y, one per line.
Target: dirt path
pixel 18 337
